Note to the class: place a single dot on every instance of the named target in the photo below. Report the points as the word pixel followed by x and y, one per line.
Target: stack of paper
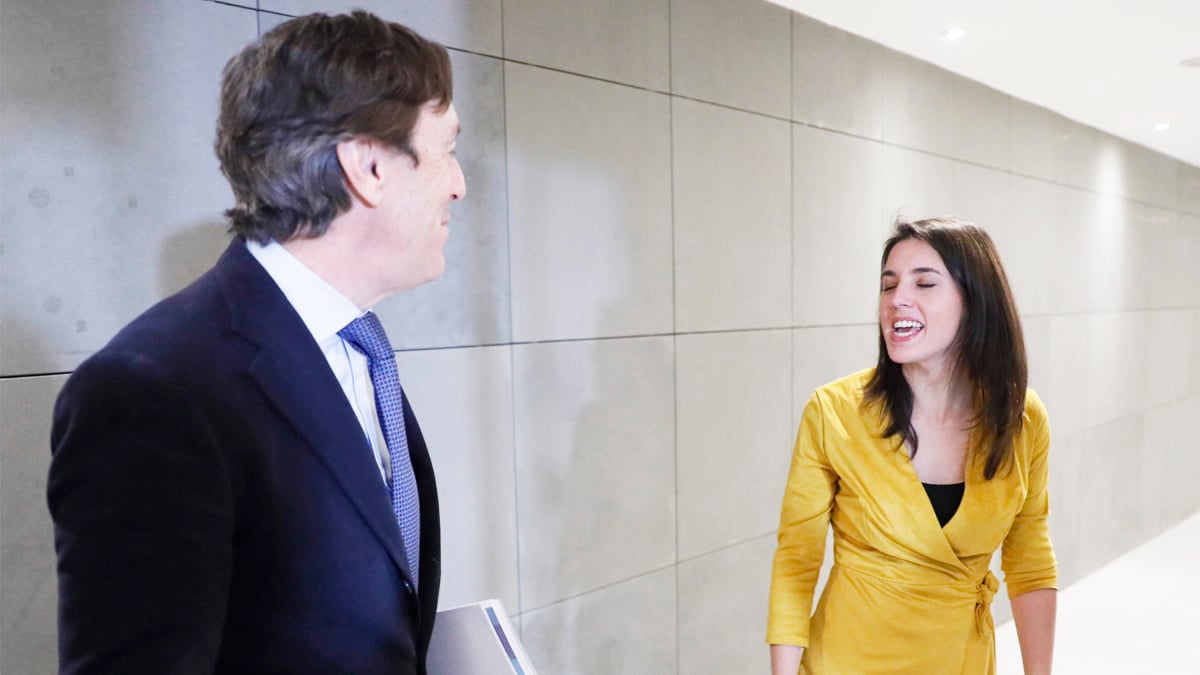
pixel 476 639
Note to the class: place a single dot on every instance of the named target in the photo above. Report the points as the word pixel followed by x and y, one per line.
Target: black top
pixel 945 499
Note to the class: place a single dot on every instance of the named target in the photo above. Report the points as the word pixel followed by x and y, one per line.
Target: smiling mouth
pixel 906 328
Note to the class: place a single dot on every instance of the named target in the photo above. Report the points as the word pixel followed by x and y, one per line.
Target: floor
pixel 1138 614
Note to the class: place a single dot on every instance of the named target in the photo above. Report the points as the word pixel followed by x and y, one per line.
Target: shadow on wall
pixel 596 456
pixel 110 199
pixel 633 511
pixel 107 153
pixel 56 115
pixel 598 506
pixel 28 594
pixel 188 253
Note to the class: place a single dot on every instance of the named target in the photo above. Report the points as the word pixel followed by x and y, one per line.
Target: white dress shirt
pixel 325 311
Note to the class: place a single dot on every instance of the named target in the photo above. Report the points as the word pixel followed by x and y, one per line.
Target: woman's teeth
pixel 905 328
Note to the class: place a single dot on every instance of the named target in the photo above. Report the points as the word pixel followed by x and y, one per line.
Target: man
pixel 238 483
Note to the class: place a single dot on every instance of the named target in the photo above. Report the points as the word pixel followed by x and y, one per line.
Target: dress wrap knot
pixel 983 604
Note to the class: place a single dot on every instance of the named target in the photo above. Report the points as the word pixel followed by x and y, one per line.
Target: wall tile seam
pixel 892 53
pixel 272 12
pixel 715 331
pixel 597 589
pixel 792 327
pixel 471 52
pixel 792 346
pixel 1102 312
pixel 512 358
pixel 740 542
pixel 669 94
pixel 1041 179
pixel 674 335
pixel 586 76
pixel 684 97
pixel 1085 189
pixel 889 53
pixel 793 119
pixel 1093 191
pixel 502 51
pixel 230 3
pixel 1078 434
pixel 1170 526
pixel 1094 566
pixel 34 376
pixel 460 50
pixel 885 143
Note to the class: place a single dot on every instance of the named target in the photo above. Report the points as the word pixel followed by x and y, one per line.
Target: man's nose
pixel 459 189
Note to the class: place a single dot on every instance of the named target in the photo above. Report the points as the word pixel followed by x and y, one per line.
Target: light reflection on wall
pixel 1108 233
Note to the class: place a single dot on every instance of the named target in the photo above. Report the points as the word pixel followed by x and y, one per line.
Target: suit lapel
pixel 294 374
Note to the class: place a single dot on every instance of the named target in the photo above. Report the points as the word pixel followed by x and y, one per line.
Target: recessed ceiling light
pixel 1162 126
pixel 953 33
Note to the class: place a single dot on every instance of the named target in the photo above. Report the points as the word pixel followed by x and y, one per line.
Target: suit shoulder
pixel 189 327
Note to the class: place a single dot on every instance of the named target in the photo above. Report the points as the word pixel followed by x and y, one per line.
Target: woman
pixel 923 465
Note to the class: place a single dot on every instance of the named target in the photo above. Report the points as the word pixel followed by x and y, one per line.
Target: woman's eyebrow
pixel 915 270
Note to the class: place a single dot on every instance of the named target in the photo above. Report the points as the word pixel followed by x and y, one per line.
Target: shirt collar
pixel 323 309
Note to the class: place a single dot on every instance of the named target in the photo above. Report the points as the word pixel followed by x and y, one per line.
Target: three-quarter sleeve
pixel 1027 557
pixel 807 502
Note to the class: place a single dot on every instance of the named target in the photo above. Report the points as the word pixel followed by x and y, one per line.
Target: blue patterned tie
pixel 366 335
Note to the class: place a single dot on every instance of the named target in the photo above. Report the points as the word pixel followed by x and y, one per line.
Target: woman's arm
pixel 785 659
pixel 803 526
pixel 1030 570
pixel 1034 614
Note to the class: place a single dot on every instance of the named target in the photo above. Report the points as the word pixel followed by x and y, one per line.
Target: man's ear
pixel 360 164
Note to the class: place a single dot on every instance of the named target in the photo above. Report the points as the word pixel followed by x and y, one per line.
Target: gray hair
pixel 288 99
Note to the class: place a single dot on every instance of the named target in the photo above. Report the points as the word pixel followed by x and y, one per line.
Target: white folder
pixel 476 639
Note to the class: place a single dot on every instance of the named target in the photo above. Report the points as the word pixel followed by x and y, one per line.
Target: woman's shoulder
pixel 1035 410
pixel 1034 436
pixel 845 391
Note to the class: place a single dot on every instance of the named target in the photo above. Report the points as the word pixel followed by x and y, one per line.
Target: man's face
pixel 415 212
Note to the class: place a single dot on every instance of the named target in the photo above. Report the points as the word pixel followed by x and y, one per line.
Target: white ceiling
pixel 1111 64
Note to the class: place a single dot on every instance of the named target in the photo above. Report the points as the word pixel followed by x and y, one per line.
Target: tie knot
pixel 366 334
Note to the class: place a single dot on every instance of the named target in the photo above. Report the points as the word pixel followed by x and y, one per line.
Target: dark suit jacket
pixel 217 507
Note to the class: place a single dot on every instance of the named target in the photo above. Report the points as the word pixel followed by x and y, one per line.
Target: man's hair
pixel 989 346
pixel 288 99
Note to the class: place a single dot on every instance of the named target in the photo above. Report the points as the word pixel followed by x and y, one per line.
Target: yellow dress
pixel 905 595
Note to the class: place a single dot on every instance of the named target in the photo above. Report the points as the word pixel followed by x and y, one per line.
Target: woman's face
pixel 920 306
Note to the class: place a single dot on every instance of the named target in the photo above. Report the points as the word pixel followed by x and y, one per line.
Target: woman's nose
pixel 901 298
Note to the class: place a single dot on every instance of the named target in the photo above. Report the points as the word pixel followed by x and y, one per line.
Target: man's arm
pixel 142 511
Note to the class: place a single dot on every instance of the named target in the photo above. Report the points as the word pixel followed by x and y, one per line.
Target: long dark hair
pixel 989 344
